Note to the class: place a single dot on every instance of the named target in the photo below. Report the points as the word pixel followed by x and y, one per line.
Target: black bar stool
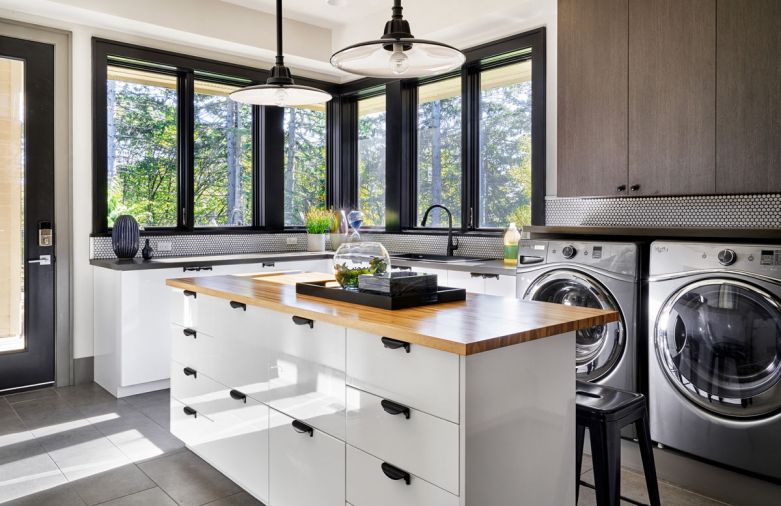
pixel 605 411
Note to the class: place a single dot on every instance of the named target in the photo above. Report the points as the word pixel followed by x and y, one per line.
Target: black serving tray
pixel 318 289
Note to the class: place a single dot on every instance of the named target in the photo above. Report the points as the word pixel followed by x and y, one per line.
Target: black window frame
pixel 267 137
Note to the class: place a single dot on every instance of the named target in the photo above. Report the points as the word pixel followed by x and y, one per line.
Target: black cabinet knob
pixel 239 396
pixel 190 332
pixel 395 344
pixel 394 473
pixel 303 428
pixel 621 188
pixel 634 187
pixel 189 371
pixel 238 305
pixel 300 320
pixel 394 408
pixel 190 411
pixel 190 293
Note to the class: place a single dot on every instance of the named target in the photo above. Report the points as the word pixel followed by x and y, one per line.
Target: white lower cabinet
pixel 194 389
pixel 491 284
pixel 420 443
pixel 306 466
pixel 373 482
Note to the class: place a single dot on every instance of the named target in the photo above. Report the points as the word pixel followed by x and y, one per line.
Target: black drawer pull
pixel 238 305
pixel 394 408
pixel 269 264
pixel 477 274
pixel 190 332
pixel 402 267
pixel 634 187
pixel 190 411
pixel 395 344
pixel 394 473
pixel 300 320
pixel 621 188
pixel 189 371
pixel 196 269
pixel 238 396
pixel 190 293
pixel 303 428
pixel 490 276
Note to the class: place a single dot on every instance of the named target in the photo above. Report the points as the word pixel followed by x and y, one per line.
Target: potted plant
pixel 318 222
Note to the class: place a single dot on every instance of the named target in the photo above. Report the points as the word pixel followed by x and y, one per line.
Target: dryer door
pixel 719 343
pixel 598 349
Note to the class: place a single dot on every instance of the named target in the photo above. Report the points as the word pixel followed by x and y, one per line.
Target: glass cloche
pixel 355 258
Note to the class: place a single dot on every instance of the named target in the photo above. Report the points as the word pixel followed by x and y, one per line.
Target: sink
pixel 424 257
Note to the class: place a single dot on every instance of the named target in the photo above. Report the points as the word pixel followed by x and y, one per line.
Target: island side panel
pixel 519 424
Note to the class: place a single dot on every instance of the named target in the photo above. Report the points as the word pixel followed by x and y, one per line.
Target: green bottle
pixel 511 239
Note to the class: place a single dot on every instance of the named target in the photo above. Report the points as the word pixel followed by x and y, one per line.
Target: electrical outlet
pixel 163 246
pixel 292 241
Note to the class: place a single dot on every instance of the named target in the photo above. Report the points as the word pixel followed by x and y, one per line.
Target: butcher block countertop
pixel 480 323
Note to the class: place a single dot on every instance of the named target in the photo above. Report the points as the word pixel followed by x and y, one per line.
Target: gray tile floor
pixel 80 446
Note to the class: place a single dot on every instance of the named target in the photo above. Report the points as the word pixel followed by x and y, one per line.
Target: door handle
pixel 235 394
pixel 238 305
pixel 395 344
pixel 394 408
pixel 394 473
pixel 42 260
pixel 300 320
pixel 190 332
pixel 303 428
pixel 189 371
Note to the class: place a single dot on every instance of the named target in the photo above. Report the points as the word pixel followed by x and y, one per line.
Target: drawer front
pixel 217 318
pixel 183 309
pixel 422 444
pixel 197 390
pixel 307 379
pixel 465 280
pixel 424 379
pixel 193 429
pixel 367 485
pixel 304 470
pixel 504 286
pixel 196 349
pixel 243 362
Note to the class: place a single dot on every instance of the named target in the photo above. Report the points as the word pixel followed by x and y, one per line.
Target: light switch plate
pixel 164 246
pixel 291 241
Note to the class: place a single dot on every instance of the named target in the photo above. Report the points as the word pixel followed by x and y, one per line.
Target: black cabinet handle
pixel 190 293
pixel 621 188
pixel 395 344
pixel 300 320
pixel 394 408
pixel 490 276
pixel 189 371
pixel 269 264
pixel 190 332
pixel 394 473
pixel 196 269
pixel 190 411
pixel 402 267
pixel 303 428
pixel 238 305
pixel 476 274
pixel 634 187
pixel 239 396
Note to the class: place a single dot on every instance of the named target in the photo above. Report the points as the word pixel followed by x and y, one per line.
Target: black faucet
pixel 452 242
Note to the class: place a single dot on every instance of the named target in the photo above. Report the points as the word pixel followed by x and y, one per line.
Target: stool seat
pixel 604 411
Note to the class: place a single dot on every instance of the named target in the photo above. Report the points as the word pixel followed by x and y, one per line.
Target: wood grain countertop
pixel 480 323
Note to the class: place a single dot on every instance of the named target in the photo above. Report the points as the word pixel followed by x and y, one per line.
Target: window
pixel 371 160
pixel 142 146
pixel 222 185
pixel 439 172
pixel 305 161
pixel 505 171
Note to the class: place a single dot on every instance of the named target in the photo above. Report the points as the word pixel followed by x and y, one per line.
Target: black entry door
pixel 26 214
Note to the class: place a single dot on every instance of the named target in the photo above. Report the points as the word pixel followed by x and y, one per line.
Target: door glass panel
pixel 721 340
pixel 11 205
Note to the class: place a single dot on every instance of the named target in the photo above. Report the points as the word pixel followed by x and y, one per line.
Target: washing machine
pixel 715 352
pixel 602 275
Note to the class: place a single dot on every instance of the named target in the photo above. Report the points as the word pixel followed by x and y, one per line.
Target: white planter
pixel 315 242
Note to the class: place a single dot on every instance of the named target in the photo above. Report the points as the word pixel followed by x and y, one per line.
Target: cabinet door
pixel 592 97
pixel 471 282
pixel 504 286
pixel 748 101
pixel 306 468
pixel 672 109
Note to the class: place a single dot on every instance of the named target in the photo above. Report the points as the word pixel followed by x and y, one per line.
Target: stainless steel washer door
pixel 719 343
pixel 598 349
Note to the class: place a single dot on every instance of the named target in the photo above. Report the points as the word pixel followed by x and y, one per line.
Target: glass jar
pixel 355 258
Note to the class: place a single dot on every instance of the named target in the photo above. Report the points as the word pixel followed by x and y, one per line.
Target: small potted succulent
pixel 318 222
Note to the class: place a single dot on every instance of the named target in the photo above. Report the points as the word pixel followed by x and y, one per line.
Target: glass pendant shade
pixel 397 54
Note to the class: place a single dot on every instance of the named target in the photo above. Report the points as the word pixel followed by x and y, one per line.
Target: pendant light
pixel 280 89
pixel 397 53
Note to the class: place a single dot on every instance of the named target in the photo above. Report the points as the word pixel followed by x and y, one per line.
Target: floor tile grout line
pixel 157 484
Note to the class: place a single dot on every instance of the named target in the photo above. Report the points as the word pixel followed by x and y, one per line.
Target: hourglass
pixel 356 220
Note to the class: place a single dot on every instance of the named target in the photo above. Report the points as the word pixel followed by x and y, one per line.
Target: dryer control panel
pixel 671 257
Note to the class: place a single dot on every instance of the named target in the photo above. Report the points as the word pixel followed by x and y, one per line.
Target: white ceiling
pixel 321 12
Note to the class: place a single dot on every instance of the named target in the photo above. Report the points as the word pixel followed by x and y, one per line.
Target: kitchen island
pixel 304 401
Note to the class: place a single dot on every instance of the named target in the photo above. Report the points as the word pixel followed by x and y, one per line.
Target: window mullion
pixel 470 94
pixel 186 149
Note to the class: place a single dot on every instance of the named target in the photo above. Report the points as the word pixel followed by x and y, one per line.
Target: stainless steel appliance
pixel 715 352
pixel 601 275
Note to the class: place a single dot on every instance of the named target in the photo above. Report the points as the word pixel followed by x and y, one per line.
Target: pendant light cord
pixel 396 10
pixel 280 59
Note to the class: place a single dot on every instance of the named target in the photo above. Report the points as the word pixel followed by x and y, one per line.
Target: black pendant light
pixel 280 89
pixel 397 53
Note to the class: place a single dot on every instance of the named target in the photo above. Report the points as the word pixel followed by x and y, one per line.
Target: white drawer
pixel 194 349
pixel 503 286
pixel 422 444
pixel 217 318
pixel 195 389
pixel 183 308
pixel 368 485
pixel 243 362
pixel 424 379
pixel 193 429
pixel 304 469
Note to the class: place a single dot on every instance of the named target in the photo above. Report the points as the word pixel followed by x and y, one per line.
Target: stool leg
pixel 606 451
pixel 647 454
pixel 580 434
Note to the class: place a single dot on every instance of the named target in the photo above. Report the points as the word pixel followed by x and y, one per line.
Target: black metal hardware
pixel 190 293
pixel 238 305
pixel 268 264
pixel 189 371
pixel 621 188
pixel 490 276
pixel 300 320
pixel 238 396
pixel 452 242
pixel 395 344
pixel 303 428
pixel 196 269
pixel 634 187
pixel 476 274
pixel 394 473
pixel 394 408
pixel 190 411
pixel 483 275
pixel 190 332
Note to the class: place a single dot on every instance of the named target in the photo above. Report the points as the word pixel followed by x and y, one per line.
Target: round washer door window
pixel 719 343
pixel 598 349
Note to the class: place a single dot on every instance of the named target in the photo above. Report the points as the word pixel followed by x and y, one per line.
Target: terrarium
pixel 355 258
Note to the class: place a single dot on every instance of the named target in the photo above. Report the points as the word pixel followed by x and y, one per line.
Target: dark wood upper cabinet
pixel 592 97
pixel 672 89
pixel 748 96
